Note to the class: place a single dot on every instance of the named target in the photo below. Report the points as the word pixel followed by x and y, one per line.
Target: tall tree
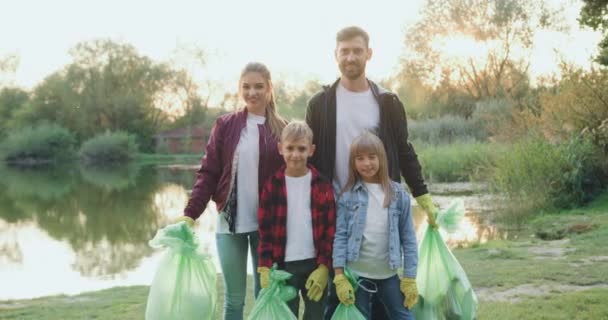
pixel 109 86
pixel 501 32
pixel 594 14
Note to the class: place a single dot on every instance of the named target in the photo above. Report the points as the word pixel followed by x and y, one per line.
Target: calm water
pixel 75 229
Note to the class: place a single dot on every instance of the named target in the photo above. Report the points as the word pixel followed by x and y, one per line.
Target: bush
pixel 41 144
pixel 536 175
pixel 460 161
pixel 109 147
pixel 446 129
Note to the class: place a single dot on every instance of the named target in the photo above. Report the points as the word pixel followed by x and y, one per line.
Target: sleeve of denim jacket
pixel 208 174
pixel 341 235
pixel 407 235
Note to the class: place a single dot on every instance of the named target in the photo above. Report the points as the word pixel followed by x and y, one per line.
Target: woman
pixel 240 156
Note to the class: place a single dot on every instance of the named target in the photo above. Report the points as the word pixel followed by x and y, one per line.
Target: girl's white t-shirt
pixel 373 259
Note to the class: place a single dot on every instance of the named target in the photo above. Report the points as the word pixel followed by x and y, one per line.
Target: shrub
pixel 446 129
pixel 41 144
pixel 536 174
pixel 109 147
pixel 459 161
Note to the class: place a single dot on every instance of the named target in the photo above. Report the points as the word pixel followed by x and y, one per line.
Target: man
pixel 353 104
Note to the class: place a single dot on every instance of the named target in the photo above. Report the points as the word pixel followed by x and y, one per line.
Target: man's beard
pixel 354 72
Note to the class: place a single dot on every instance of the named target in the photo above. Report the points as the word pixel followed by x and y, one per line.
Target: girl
pixel 375 234
pixel 240 156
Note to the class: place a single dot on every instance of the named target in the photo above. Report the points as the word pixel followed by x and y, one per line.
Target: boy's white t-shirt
pixel 356 112
pixel 373 255
pixel 299 244
pixel 248 152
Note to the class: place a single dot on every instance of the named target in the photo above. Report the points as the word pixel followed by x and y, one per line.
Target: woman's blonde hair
pixel 276 122
pixel 364 144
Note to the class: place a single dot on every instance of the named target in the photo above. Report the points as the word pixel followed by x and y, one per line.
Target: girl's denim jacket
pixel 352 213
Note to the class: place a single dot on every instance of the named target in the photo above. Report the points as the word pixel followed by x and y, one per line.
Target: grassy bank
pixel 157 158
pixel 458 161
pixel 562 277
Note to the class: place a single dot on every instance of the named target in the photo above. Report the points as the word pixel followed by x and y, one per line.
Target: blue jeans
pixel 232 251
pixel 389 295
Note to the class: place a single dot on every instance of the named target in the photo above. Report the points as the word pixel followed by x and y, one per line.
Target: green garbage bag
pixel 348 312
pixel 272 301
pixel 184 283
pixel 444 289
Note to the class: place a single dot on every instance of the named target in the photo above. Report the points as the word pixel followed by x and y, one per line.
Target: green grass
pixel 588 304
pixel 459 161
pixel 157 158
pixel 115 303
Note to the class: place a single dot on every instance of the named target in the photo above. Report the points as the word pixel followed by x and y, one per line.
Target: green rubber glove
pixel 186 219
pixel 426 203
pixel 410 291
pixel 344 289
pixel 317 282
pixel 264 277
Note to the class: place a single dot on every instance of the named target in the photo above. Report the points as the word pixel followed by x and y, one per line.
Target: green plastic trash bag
pixel 272 301
pixel 184 284
pixel 445 291
pixel 348 312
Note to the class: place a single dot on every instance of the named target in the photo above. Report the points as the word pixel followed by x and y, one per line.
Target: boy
pixel 297 222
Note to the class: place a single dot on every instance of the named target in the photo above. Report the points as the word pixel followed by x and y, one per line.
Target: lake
pixel 71 229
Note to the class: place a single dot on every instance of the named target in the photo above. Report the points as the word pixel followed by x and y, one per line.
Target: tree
pixel 594 14
pixel 11 100
pixel 499 34
pixel 110 86
pixel 8 65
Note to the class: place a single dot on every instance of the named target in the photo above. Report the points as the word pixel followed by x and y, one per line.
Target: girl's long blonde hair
pixel 276 122
pixel 364 144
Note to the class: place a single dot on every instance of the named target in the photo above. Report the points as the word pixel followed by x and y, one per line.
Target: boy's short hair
pixel 296 130
pixel 351 32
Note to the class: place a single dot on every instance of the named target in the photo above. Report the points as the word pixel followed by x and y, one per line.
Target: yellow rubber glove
pixel 186 219
pixel 426 203
pixel 410 291
pixel 344 289
pixel 317 282
pixel 264 277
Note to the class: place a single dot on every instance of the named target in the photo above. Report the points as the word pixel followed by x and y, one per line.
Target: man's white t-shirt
pixel 248 152
pixel 300 243
pixel 356 112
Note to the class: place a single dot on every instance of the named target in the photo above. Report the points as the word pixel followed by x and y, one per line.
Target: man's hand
pixel 426 203
pixel 317 282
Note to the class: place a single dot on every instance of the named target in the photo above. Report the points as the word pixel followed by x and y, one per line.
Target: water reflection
pixel 73 229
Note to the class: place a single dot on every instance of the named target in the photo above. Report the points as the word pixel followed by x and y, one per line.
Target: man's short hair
pixel 296 130
pixel 351 32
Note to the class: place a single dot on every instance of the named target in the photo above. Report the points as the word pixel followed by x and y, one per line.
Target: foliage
pixel 43 143
pixel 109 86
pixel 11 100
pixel 536 174
pixel 594 14
pixel 446 129
pixel 109 147
pixel 497 29
pixel 460 161
pixel 579 102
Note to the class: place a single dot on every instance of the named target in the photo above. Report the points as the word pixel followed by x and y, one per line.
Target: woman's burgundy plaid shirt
pixel 272 219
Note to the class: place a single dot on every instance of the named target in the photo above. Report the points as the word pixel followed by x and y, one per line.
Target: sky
pixel 294 38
